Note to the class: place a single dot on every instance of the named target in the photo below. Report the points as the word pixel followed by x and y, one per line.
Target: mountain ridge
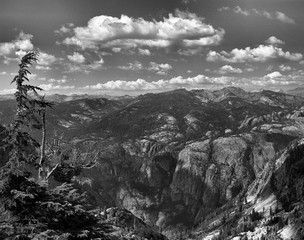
pixel 179 160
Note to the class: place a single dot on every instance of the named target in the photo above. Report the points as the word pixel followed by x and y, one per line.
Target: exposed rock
pixel 192 123
pixel 267 100
pixel 204 95
pixel 161 170
pixel 252 121
pixel 127 226
pixel 165 136
pixel 289 174
pixel 228 131
pixel 231 156
pixel 262 153
pixel 169 122
pixel 297 114
pixel 212 183
pixel 190 172
pixel 134 199
pixel 211 134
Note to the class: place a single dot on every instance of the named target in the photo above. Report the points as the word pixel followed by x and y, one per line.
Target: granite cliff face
pixel 183 186
pixel 174 159
pixel 270 208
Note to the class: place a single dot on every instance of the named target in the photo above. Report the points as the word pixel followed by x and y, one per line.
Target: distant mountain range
pixel 66 98
pixel 299 91
pixel 194 164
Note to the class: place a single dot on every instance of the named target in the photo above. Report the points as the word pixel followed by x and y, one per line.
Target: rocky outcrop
pixel 193 124
pixel 174 183
pixel 288 180
pixel 252 121
pixel 297 114
pixel 262 153
pixel 189 173
pixel 230 157
pixel 203 176
pixel 271 206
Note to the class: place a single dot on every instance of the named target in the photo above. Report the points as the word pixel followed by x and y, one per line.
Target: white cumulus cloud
pixel 7 91
pixel 139 84
pixel 144 52
pixel 182 29
pixel 15 49
pixel 52 86
pixel 285 68
pixel 67 28
pixel 161 69
pixel 58 81
pixel 261 53
pixel 229 69
pixel 76 58
pixel 198 81
pixel 22 42
pixel 79 64
pixel 274 41
pixel 136 66
pixel 279 16
pixel 46 59
pixel 236 9
pixel 273 75
pixel 283 18
pixel 44 68
pixel 276 79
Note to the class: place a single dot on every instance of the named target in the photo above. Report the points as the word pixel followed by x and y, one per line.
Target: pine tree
pixel 29 106
pixel 28 209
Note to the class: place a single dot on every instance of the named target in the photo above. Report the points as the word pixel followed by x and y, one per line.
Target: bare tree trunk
pixel 41 171
pixel 51 171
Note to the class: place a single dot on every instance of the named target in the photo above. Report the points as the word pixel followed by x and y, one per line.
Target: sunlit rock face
pixel 182 185
pixel 210 173
pixel 190 171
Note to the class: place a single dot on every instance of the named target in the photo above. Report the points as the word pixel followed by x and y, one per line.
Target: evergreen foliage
pixel 38 211
pixel 30 105
pixel 28 208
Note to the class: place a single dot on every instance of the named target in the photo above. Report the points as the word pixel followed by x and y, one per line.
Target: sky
pixel 130 47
